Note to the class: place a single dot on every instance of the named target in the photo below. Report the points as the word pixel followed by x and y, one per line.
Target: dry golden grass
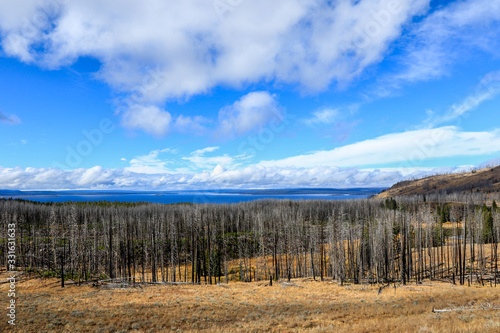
pixel 458 181
pixel 251 307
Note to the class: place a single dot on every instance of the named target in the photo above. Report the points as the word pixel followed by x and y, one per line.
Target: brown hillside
pixel 484 180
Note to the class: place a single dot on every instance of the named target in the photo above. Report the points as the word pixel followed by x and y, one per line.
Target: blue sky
pixel 245 94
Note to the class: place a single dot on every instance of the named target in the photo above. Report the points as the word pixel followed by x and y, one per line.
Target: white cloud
pixel 337 167
pixel 251 112
pixel 337 43
pixel 323 117
pixel 487 89
pixel 468 104
pixel 191 125
pixel 162 50
pixel 200 152
pixel 219 169
pixel 407 148
pixel 50 178
pixel 157 162
pixel 95 175
pixel 320 169
pixel 150 163
pixel 147 118
pixel 198 160
pixel 249 177
pixel 9 119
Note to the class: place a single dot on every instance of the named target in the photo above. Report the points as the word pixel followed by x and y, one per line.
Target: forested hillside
pixel 360 241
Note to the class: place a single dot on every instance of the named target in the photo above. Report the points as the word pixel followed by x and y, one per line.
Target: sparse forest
pixel 404 240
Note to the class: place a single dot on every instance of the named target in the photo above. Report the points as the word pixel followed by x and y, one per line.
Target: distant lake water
pixel 192 197
pixel 177 198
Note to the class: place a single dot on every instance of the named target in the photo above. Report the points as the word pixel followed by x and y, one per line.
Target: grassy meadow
pixel 302 305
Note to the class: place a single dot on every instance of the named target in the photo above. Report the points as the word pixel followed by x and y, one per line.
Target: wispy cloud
pixel 334 168
pixel 487 89
pixel 198 160
pixel 323 117
pixel 169 161
pixel 201 152
pixel 151 163
pixel 205 168
pixel 9 119
pixel 446 37
pixel 408 148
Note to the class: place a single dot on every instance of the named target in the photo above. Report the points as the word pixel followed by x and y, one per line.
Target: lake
pixel 212 196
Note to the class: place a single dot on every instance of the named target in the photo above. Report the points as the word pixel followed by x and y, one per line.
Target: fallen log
pixel 289 284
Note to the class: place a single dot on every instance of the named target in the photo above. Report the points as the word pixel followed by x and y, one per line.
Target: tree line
pixel 404 240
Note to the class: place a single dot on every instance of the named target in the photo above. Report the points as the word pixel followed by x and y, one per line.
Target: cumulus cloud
pixel 219 178
pixel 95 175
pixel 148 118
pixel 250 177
pixel 9 119
pixel 51 178
pixel 163 50
pixel 408 148
pixel 218 170
pixel 251 112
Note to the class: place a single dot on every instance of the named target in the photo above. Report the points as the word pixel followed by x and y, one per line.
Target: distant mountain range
pixel 484 180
